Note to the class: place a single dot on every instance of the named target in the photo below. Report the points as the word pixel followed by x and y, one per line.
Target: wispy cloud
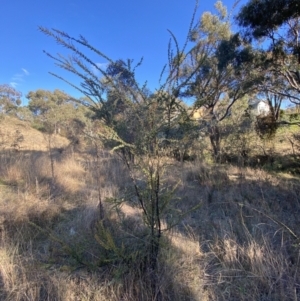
pixel 18 78
pixel 13 84
pixel 25 71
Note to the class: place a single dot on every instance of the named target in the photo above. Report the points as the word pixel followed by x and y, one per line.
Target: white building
pixel 259 107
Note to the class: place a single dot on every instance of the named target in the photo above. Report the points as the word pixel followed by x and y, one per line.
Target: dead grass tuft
pixel 70 175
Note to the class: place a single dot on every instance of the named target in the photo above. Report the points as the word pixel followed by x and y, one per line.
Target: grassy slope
pixel 17 134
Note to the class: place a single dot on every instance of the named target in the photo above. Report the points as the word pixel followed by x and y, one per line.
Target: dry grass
pixel 240 243
pixel 245 229
pixel 19 135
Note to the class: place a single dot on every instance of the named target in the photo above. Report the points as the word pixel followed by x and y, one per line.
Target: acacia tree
pixel 117 99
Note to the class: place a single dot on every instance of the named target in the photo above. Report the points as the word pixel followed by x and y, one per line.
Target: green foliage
pixel 227 71
pixel 278 21
pixel 10 99
pixel 261 17
pixel 23 113
pixel 294 117
pixel 266 126
pixel 237 133
pixel 55 112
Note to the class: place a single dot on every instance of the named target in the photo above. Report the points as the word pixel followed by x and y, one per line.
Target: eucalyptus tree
pixel 54 110
pixel 277 24
pixel 10 99
pixel 227 73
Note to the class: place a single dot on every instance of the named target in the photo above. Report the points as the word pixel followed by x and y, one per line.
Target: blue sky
pixel 121 29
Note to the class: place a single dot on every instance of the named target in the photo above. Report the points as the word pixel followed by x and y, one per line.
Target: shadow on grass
pixel 288 163
pixel 242 211
pixel 54 237
pixel 245 215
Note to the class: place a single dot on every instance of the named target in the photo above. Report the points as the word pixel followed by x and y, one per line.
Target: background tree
pixel 10 99
pixel 276 24
pixel 239 138
pixel 53 110
pixel 278 21
pixel 225 76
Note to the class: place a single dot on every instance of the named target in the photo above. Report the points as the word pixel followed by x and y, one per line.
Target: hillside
pixel 19 135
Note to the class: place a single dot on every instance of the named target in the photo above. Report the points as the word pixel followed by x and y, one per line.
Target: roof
pixel 255 101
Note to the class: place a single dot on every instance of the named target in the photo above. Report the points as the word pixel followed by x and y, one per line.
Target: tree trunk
pixel 214 136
